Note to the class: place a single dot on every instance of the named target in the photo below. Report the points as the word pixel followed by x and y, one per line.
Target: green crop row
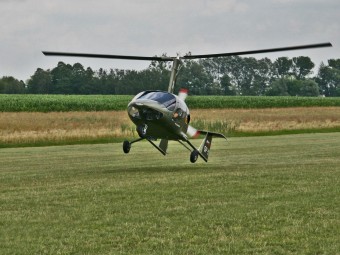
pixel 49 103
pixel 62 103
pixel 248 102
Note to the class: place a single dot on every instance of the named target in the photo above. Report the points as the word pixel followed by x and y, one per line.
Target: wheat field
pixel 36 127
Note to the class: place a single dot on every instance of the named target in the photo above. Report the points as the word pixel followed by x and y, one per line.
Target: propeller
pixel 193 132
pixel 90 55
pixel 183 93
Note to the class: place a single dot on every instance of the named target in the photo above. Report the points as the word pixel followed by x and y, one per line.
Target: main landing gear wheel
pixel 126 146
pixel 194 156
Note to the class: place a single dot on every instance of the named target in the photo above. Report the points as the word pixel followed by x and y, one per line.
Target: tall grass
pixel 64 103
pixel 221 126
pixel 37 128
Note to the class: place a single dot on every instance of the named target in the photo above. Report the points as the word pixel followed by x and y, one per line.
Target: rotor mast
pixel 175 66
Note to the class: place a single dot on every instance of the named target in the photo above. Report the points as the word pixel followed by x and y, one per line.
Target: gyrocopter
pixel 164 115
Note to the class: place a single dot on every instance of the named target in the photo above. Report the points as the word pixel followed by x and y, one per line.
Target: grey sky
pixel 152 27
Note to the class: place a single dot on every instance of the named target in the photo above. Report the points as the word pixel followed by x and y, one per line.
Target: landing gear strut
pixel 127 144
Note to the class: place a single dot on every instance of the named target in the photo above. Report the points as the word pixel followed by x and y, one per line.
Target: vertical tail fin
pixel 206 143
pixel 205 146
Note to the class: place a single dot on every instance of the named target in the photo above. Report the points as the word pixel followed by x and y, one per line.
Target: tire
pixel 194 156
pixel 126 146
pixel 141 130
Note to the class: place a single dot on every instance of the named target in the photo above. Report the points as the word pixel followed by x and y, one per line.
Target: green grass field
pixel 257 195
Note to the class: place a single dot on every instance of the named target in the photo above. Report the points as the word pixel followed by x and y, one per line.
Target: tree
pixel 231 75
pixel 302 88
pixel 88 83
pixel 160 65
pixel 40 82
pixel 278 88
pixel 215 67
pixel 10 85
pixel 263 75
pixel 328 78
pixel 227 86
pixel 334 63
pixel 293 87
pixel 309 88
pixel 77 79
pixel 242 74
pixel 194 77
pixel 302 66
pixel 282 67
pixel 62 79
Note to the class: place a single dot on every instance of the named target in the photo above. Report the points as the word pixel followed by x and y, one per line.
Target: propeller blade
pixel 300 47
pixel 90 55
pixel 183 93
pixel 192 132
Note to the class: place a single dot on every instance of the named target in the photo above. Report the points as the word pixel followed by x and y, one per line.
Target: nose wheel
pixel 141 130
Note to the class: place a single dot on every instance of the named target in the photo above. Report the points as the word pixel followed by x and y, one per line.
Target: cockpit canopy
pixel 164 98
pixel 146 105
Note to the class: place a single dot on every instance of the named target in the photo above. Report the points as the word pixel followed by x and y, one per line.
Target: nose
pixel 148 113
pixel 145 111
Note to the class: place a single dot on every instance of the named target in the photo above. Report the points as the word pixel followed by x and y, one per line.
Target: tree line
pixel 217 76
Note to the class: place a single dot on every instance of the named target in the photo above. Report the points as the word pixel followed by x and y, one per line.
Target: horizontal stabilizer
pixel 213 134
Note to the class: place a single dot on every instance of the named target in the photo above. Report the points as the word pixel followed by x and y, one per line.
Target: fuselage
pixel 159 114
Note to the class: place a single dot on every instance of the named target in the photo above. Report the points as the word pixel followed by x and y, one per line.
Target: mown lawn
pixel 257 195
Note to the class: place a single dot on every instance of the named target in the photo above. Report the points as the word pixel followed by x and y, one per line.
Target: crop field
pixel 256 195
pixel 62 103
pixel 36 128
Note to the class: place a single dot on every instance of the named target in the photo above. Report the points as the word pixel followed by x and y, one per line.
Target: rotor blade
pixel 300 47
pixel 90 55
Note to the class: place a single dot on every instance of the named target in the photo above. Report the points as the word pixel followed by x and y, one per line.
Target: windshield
pixel 166 99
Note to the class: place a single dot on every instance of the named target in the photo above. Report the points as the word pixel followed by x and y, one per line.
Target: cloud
pixel 148 27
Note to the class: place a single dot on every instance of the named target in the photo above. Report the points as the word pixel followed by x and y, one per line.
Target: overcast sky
pixel 153 27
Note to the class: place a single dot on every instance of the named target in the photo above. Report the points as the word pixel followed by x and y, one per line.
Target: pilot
pixel 178 113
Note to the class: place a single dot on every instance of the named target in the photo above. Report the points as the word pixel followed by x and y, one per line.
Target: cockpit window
pixel 166 99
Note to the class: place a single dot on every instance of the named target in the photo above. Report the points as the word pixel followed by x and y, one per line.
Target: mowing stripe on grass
pixel 258 195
